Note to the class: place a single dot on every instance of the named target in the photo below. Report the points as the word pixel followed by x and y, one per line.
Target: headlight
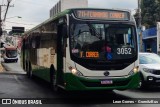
pixel 134 70
pixel 148 70
pixel 75 71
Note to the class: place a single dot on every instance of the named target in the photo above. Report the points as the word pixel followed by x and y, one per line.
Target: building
pixel 151 39
pixel 67 4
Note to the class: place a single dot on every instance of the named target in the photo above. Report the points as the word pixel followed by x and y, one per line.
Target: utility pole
pixel 1 31
pixel 9 1
pixel 0 22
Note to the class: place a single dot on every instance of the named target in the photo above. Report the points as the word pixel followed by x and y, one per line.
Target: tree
pixel 150 12
pixel 136 17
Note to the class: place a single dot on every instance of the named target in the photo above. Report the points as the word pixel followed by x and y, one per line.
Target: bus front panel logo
pixel 106 73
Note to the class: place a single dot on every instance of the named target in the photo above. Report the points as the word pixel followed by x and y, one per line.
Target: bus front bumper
pixel 10 59
pixel 73 82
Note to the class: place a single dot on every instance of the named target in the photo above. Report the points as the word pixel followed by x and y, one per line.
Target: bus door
pixel 61 53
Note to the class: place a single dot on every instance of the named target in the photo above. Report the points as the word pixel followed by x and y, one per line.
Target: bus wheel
pixel 53 81
pixel 142 85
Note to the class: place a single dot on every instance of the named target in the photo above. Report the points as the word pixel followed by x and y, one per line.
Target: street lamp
pixel 3 25
pixel 14 17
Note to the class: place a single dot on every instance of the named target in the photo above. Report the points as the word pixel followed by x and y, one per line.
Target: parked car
pixel 149 69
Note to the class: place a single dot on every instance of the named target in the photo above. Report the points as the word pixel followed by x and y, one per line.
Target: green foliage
pixel 150 12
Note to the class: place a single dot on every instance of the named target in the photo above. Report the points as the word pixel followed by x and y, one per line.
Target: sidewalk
pixel 1 68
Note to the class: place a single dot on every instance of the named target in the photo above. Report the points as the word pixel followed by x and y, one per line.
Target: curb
pixel 1 68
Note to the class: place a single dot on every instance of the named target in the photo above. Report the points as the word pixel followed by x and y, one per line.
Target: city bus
pixel 10 54
pixel 84 49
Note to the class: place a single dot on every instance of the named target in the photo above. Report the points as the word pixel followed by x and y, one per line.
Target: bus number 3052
pixel 124 51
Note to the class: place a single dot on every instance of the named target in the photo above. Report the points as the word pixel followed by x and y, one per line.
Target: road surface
pixel 15 84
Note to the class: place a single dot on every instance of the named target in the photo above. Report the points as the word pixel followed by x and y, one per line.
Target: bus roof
pixel 63 13
pixel 49 20
pixel 10 48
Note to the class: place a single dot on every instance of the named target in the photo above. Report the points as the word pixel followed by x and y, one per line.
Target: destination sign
pixel 92 54
pixel 102 14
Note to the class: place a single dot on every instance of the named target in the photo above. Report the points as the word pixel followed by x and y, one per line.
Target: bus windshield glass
pixel 103 41
pixel 11 53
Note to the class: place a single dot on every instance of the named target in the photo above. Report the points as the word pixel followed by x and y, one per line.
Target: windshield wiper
pixel 95 31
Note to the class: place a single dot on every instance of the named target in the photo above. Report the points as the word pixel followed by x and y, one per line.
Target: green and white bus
pixel 84 49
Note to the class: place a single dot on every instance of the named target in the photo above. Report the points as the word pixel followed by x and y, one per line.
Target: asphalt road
pixel 15 84
pixel 13 68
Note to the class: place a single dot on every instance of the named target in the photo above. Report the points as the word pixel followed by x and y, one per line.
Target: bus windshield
pixel 103 41
pixel 11 53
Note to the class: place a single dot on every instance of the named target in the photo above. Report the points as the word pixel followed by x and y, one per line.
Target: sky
pixel 34 12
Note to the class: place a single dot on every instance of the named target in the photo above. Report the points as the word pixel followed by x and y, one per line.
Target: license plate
pixel 107 82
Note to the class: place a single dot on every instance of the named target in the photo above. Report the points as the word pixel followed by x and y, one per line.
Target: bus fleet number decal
pixel 124 51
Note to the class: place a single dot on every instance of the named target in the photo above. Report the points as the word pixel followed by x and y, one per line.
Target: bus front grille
pixel 98 84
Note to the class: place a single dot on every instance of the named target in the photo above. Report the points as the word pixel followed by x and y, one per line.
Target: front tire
pixel 142 84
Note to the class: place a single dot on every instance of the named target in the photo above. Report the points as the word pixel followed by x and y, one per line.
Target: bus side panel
pixel 43 56
pixel 80 83
pixel 44 60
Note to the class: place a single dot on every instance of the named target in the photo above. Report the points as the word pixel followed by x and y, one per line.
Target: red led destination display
pixel 102 14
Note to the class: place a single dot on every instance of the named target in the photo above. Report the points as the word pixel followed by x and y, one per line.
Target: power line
pixel 19 23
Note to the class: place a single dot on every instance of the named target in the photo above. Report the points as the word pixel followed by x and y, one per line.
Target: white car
pixel 149 69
